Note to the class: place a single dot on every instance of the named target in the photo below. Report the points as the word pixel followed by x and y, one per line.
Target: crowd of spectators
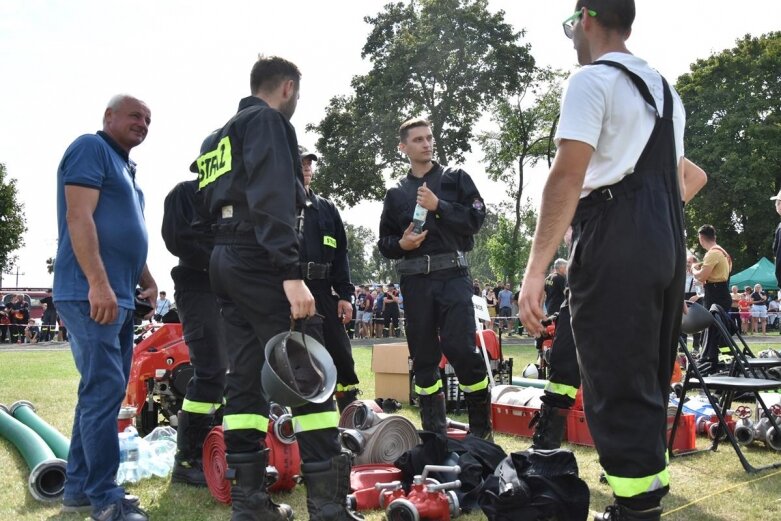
pixel 21 322
pixel 502 306
pixel 755 310
pixel 378 312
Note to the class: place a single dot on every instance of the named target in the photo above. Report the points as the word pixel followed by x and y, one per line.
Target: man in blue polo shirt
pixel 101 258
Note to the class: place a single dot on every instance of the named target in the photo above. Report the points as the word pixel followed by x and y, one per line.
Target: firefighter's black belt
pixel 425 264
pixel 314 271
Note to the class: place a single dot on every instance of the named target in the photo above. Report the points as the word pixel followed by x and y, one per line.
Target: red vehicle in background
pixel 32 296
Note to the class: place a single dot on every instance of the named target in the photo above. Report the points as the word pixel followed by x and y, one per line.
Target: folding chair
pixel 743 360
pixel 697 319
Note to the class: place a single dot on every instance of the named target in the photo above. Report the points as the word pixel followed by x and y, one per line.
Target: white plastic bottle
pixel 419 218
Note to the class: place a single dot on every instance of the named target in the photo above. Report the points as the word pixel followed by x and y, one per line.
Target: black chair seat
pixel 736 383
pixel 764 363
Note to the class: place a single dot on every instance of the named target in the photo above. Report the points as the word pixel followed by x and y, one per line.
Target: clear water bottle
pixel 132 473
pixel 122 459
pixel 128 457
pixel 419 218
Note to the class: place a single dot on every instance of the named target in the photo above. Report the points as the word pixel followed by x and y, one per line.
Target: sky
pixel 189 60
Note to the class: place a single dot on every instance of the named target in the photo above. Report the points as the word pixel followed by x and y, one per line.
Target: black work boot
pixel 433 413
pixel 249 497
pixel 327 485
pixel 345 398
pixel 616 512
pixel 548 427
pixel 478 405
pixel 190 434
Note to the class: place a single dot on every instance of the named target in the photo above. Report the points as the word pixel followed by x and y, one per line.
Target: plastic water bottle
pixel 122 459
pixel 128 456
pixel 419 218
pixel 131 465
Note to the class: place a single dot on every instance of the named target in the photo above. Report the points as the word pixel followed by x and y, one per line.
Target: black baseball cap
pixel 306 154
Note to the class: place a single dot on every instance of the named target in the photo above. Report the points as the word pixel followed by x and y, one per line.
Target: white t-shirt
pixel 602 107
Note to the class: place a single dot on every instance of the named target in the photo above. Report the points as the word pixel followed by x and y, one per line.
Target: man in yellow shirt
pixel 713 272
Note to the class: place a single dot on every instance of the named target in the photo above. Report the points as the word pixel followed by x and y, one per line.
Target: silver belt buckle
pixel 608 193
pixel 227 211
pixel 428 264
pixel 309 270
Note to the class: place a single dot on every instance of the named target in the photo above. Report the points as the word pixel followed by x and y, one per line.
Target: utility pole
pixel 17 275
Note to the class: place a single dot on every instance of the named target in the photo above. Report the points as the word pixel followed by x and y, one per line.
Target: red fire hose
pixel 215 466
pixel 283 456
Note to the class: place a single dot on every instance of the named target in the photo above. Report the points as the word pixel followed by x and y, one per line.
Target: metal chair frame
pixel 741 380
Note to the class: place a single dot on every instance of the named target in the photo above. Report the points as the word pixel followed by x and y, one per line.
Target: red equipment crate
pixel 579 434
pixel 577 429
pixel 513 419
pixel 578 405
pixel 686 436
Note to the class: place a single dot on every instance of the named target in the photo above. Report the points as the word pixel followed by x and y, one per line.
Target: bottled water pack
pixel 141 458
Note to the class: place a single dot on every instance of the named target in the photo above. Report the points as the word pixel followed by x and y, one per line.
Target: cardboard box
pixel 390 365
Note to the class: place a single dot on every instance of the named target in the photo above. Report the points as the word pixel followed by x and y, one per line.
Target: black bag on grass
pixel 536 485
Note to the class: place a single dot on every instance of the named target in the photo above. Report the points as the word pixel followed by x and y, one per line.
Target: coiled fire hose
pixel 376 437
pixel 47 473
pixel 347 419
pixel 284 458
pixel 519 396
pixel 215 467
pixel 24 411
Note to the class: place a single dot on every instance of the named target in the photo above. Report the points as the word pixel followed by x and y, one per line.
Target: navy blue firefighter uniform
pixel 437 290
pixel 327 271
pixel 187 232
pixel 253 184
pixel 562 386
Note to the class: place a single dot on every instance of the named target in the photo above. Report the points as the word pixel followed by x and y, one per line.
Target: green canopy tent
pixel 763 272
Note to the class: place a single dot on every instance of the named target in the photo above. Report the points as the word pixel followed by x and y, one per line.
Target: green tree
pixel 359 241
pixel 383 270
pixel 733 131
pixel 524 122
pixel 445 59
pixel 509 252
pixel 480 256
pixel 12 221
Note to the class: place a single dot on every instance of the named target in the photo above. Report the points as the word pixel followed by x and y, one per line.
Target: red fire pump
pixel 159 376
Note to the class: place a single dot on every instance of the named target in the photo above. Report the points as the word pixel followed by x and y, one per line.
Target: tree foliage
pixel 480 256
pixel 383 269
pixel 524 123
pixel 444 59
pixel 733 131
pixel 508 256
pixel 13 224
pixel 359 240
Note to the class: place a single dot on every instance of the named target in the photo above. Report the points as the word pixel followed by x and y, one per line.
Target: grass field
pixel 709 486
